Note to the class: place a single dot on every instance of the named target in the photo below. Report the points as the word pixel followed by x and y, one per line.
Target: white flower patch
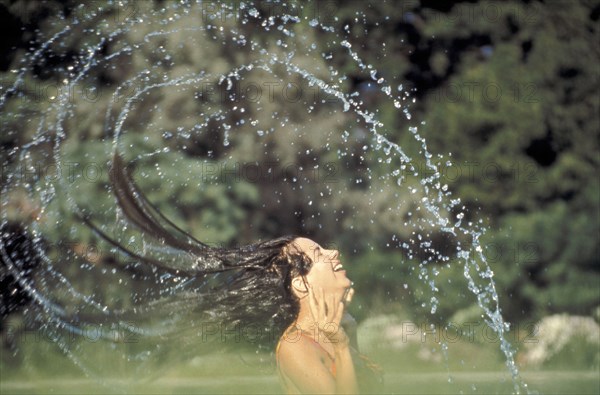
pixel 555 331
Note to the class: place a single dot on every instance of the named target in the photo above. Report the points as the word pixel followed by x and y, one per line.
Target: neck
pixel 305 323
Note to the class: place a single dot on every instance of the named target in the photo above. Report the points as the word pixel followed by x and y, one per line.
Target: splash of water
pixel 290 57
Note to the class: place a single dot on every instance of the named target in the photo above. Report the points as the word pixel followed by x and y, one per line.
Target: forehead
pixel 305 244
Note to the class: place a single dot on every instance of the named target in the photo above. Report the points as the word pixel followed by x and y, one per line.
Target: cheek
pixel 319 277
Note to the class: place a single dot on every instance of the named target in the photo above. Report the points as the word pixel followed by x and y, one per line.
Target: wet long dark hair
pixel 246 287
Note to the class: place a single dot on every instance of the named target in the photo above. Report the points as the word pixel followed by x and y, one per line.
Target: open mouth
pixel 338 267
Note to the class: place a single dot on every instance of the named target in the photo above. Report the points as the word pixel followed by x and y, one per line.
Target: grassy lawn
pixel 545 382
pixel 475 368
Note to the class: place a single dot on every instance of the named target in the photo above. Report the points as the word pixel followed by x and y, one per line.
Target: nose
pixel 335 254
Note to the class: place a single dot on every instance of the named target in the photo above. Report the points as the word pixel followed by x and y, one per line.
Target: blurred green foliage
pixel 508 92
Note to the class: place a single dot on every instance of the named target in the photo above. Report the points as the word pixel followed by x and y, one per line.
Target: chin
pixel 347 283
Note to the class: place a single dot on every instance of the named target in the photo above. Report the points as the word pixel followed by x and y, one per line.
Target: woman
pixel 314 355
pixel 289 286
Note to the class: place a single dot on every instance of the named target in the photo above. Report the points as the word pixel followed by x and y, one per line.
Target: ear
pixel 299 286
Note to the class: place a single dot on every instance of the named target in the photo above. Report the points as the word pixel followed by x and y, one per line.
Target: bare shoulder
pixel 294 346
pixel 300 352
pixel 301 365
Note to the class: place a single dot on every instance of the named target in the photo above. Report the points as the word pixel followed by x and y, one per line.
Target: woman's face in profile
pixel 327 271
